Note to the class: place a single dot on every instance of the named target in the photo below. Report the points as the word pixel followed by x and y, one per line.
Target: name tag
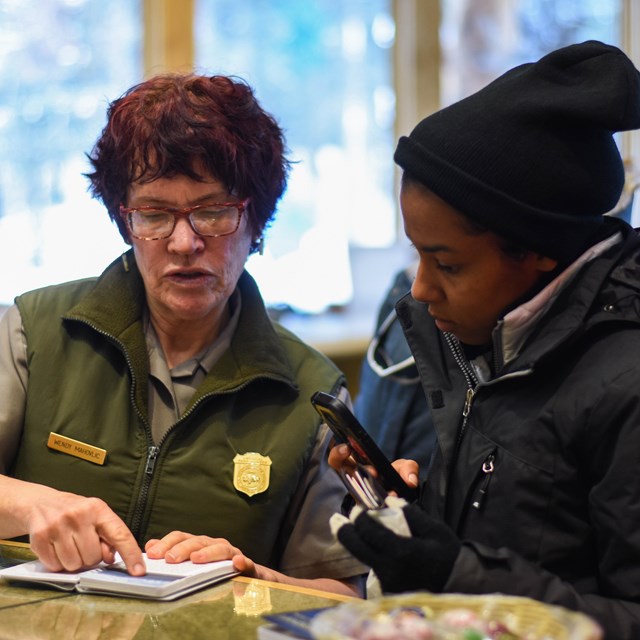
pixel 76 448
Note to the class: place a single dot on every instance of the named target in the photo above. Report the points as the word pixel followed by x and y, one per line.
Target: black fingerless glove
pixel 422 562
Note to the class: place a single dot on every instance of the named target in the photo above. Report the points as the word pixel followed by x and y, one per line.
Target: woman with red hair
pixel 159 398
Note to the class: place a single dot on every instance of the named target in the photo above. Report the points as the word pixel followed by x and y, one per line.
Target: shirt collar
pixel 205 360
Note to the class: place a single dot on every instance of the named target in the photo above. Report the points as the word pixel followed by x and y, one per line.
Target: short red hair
pixel 172 123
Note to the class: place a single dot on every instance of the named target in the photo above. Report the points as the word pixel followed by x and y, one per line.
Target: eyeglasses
pixel 211 220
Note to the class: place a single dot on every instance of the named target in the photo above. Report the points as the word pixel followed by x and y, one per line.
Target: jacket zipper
pixel 472 383
pixel 487 468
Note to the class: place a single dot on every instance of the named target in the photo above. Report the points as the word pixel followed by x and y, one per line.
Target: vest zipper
pixel 151 457
pixel 487 469
pixel 153 451
pixel 141 502
pixel 111 338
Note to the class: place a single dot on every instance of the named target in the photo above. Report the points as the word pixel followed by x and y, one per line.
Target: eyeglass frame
pixel 125 214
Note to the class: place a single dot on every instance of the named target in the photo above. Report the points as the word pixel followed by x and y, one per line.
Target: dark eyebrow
pixel 436 248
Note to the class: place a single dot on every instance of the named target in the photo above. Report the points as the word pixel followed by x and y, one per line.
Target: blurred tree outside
pixel 61 62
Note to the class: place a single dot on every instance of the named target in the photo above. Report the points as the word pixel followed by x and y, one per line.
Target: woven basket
pixel 530 619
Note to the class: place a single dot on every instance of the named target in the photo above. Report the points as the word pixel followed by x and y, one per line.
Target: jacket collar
pixel 512 330
pixel 596 286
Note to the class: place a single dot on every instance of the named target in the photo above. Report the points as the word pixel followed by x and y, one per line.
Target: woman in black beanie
pixel 524 321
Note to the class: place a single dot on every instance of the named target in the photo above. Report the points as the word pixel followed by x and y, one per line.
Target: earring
pixel 261 245
pixel 125 261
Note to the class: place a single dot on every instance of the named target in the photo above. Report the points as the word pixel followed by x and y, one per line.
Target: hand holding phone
pixel 366 452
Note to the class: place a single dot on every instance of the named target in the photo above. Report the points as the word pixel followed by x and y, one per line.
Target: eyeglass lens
pixel 210 220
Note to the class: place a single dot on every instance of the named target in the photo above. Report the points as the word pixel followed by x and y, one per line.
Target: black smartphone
pixel 348 429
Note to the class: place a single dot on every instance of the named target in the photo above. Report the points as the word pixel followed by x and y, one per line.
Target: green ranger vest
pixel 88 376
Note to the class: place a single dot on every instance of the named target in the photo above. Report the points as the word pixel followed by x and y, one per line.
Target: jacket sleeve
pixel 480 569
pixel 13 384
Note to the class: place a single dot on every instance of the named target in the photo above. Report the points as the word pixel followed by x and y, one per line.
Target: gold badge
pixel 251 473
pixel 76 448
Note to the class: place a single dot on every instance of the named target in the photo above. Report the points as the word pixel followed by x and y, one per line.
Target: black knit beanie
pixel 532 155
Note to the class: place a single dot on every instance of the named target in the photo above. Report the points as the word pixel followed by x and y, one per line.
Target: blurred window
pixel 482 40
pixel 61 62
pixel 323 69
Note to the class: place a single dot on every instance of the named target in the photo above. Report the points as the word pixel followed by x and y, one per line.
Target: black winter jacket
pixel 541 480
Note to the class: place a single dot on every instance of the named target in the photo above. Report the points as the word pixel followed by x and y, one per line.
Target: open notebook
pixel 162 581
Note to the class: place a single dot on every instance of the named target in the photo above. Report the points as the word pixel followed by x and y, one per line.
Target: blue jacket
pixel 393 408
